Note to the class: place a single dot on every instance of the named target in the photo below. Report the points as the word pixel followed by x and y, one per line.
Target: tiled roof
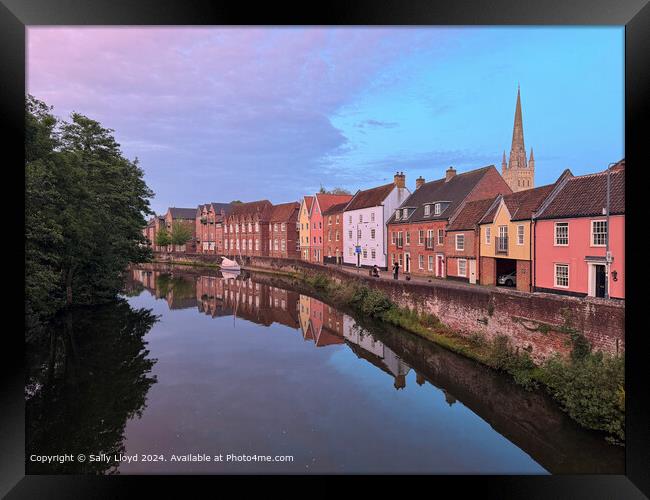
pixel 336 209
pixel 325 201
pixel 586 196
pixel 252 207
pixel 182 213
pixel 217 207
pixel 471 214
pixel 285 212
pixel 370 197
pixel 309 200
pixel 454 191
pixel 521 204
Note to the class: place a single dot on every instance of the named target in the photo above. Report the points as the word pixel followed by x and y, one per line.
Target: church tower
pixel 518 173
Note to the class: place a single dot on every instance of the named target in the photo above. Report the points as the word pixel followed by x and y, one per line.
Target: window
pixel 337 219
pixel 372 234
pixel 373 253
pixel 430 262
pixel 441 237
pixel 365 253
pixel 427 209
pixel 350 252
pixel 421 261
pixel 350 219
pixel 329 235
pixel 408 237
pixel 359 234
pixel 257 245
pixel 226 244
pixel 350 235
pixel 562 275
pixel 598 233
pixel 421 237
pixel 372 217
pixel 320 225
pixel 399 242
pixel 329 220
pixel 275 228
pixel 337 236
pixel 275 244
pixel 520 234
pixel 460 243
pixel 250 227
pixel 436 209
pixel 462 267
pixel 283 226
pixel 360 217
pixel 257 227
pixel 284 245
pixel 250 244
pixel 393 237
pixel 488 235
pixel 561 233
pixel 397 214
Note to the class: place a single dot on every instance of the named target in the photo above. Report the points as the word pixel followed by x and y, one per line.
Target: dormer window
pixel 427 209
pixel 436 209
pixel 397 214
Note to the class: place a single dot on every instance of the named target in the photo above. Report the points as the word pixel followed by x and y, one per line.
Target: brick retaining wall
pixel 533 321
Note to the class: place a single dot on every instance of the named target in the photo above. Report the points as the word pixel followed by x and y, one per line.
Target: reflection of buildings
pixel 320 323
pixel 367 347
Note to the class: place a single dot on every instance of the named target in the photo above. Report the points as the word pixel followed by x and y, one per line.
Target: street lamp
pixel 608 257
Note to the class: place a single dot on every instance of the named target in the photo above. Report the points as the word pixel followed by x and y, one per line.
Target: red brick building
pixel 333 233
pixel 321 227
pixel 284 233
pixel 416 231
pixel 186 217
pixel 462 244
pixel 209 227
pixel 246 232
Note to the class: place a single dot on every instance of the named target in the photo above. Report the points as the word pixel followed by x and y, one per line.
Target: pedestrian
pixel 375 271
pixel 395 270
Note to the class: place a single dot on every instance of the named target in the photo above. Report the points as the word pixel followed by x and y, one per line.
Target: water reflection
pixel 416 369
pixel 85 380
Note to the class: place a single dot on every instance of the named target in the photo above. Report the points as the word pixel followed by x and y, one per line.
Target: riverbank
pixel 588 384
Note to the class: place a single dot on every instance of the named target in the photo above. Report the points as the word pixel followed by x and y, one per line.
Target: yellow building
pixel 305 316
pixel 505 242
pixel 305 231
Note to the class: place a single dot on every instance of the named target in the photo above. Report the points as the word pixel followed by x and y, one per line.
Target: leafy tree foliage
pixel 336 190
pixel 85 208
pixel 162 237
pixel 181 233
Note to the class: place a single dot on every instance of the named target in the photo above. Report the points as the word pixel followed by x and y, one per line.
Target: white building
pixel 364 222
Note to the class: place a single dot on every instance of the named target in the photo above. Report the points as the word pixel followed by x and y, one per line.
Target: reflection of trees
pixel 178 291
pixel 84 383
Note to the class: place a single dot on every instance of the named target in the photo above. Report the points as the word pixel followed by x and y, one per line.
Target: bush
pixel 591 390
pixel 502 356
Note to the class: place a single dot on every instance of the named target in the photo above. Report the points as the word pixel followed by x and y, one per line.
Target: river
pixel 194 372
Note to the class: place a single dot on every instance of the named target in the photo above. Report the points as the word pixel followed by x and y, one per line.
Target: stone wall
pixel 537 322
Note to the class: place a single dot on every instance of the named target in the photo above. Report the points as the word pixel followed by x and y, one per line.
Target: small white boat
pixel 229 265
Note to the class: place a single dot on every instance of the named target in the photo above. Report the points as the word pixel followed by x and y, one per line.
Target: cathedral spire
pixel 519 173
pixel 504 164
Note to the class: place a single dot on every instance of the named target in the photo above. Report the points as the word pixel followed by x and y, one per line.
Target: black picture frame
pixel 16 15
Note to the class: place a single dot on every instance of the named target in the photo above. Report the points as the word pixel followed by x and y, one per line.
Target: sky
pixel 222 113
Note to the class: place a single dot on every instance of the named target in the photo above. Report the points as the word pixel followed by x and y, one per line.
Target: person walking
pixel 395 270
pixel 375 271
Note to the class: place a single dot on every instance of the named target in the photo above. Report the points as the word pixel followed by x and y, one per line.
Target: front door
pixel 440 271
pixel 472 271
pixel 407 262
pixel 601 280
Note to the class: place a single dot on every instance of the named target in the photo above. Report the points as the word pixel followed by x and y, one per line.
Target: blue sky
pixel 221 114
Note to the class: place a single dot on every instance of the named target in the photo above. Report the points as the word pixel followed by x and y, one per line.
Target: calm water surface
pixel 245 367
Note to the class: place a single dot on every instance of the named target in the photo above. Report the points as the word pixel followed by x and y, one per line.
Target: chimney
pixel 400 179
pixel 419 182
pixel 451 171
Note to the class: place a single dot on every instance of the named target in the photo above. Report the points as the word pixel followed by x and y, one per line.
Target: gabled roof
pixel 521 204
pixel 471 214
pixel 370 197
pixel 284 212
pixel 336 209
pixel 308 201
pixel 325 201
pixel 453 191
pixel 182 213
pixel 586 196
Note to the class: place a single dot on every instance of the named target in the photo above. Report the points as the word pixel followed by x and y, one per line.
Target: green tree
pixel 336 190
pixel 162 237
pixel 181 233
pixel 85 209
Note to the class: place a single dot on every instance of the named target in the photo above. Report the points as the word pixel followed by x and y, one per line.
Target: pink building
pixel 320 231
pixel 570 235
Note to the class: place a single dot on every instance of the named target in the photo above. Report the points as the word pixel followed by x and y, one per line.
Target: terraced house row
pixel 481 226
